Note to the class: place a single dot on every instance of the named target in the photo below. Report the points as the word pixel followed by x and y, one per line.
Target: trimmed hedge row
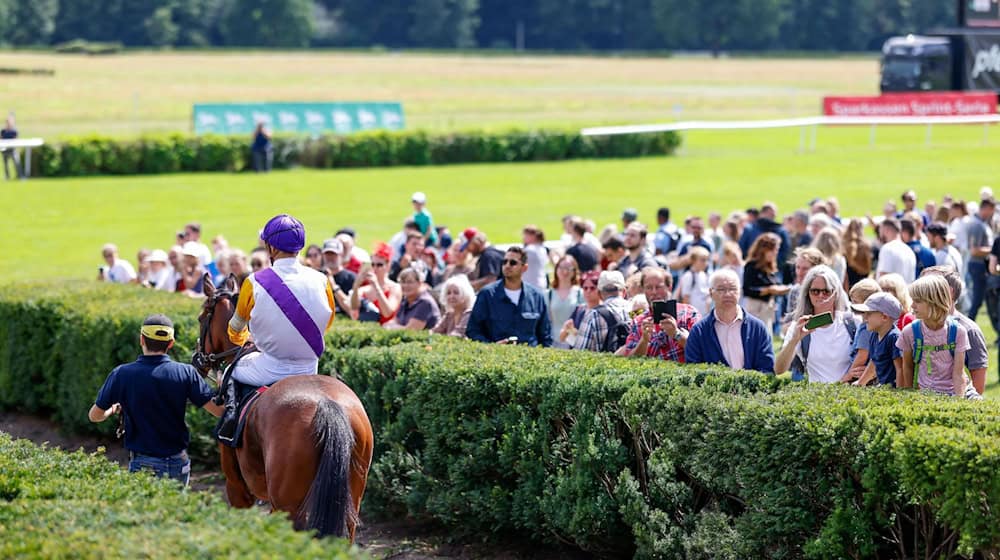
pixel 99 155
pixel 618 457
pixel 73 505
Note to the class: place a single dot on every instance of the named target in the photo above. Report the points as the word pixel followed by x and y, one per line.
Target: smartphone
pixel 821 320
pixel 672 308
pixel 659 310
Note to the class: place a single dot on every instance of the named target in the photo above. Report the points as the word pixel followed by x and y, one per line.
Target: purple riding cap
pixel 284 233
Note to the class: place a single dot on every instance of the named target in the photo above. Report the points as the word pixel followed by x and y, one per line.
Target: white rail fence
pixel 805 123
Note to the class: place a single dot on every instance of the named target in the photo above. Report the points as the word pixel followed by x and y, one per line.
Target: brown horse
pixel 307 444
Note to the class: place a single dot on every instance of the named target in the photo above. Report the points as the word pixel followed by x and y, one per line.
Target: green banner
pixel 311 118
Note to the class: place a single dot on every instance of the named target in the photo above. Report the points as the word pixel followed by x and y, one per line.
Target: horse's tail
pixel 328 506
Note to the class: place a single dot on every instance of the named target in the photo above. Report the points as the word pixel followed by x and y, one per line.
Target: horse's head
pixel 213 341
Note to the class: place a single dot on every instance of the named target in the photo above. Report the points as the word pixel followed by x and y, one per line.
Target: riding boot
pixel 226 428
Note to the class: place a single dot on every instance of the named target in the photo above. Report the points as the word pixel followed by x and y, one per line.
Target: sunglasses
pixel 589 287
pixel 511 262
pixel 819 292
pixel 377 265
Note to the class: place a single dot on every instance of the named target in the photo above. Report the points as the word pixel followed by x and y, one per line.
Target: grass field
pixel 56 226
pixel 145 92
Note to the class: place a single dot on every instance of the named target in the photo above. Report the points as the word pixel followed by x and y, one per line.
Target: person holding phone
pixel 374 296
pixel 662 331
pixel 819 341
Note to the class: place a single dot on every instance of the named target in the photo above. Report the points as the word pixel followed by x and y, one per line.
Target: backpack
pixel 799 363
pixel 618 329
pixel 919 348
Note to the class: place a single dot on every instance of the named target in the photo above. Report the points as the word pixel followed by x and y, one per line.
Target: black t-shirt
pixel 995 250
pixel 586 255
pixel 8 133
pixel 490 261
pixel 153 392
pixel 345 279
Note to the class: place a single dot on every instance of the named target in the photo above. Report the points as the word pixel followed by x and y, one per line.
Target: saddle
pixel 229 430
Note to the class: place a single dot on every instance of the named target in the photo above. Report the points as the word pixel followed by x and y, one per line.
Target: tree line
pixel 564 25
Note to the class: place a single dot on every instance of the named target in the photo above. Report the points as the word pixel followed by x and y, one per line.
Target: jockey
pixel 286 308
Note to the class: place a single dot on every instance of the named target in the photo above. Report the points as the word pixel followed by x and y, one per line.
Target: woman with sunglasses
pixel 314 257
pixel 375 297
pixel 824 353
pixel 565 294
pixel 591 299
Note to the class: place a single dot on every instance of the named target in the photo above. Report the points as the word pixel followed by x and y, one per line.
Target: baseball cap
pixel 157 255
pixel 630 214
pixel 419 197
pixel 611 279
pixel 347 230
pixel 883 302
pixel 467 236
pixel 190 249
pixel 333 245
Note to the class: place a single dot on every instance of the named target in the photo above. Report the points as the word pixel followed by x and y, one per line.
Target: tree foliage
pixel 844 25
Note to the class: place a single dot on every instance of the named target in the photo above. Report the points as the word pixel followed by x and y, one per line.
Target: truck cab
pixel 916 63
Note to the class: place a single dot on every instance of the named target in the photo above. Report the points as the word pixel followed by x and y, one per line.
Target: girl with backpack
pixel 933 346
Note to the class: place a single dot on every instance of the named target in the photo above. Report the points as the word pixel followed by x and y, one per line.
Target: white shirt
pixel 957 228
pixel 731 339
pixel 513 295
pixel 694 285
pixel 164 280
pixel 896 256
pixel 949 256
pixel 829 352
pixel 121 272
pixel 283 350
pixel 537 258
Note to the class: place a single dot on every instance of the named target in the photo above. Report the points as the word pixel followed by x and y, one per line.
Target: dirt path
pixel 401 539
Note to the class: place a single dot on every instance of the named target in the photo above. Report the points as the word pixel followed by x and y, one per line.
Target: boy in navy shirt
pixel 152 393
pixel 881 311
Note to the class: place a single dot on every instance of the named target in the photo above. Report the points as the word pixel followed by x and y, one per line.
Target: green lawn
pixel 139 92
pixel 56 226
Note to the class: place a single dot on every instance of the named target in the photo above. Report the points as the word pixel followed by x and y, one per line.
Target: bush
pixel 95 155
pixel 81 46
pixel 618 457
pixel 72 505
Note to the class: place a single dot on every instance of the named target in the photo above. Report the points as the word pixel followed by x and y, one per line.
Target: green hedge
pixel 99 155
pixel 618 457
pixel 73 505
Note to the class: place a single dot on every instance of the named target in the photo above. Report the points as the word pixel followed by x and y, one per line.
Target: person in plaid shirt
pixel 667 339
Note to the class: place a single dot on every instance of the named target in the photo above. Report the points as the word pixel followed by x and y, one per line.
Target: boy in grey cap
pixel 881 311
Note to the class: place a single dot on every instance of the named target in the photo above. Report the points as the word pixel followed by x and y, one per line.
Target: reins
pixel 214 361
pixel 201 359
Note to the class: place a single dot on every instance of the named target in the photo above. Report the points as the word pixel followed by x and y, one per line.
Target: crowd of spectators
pixel 866 300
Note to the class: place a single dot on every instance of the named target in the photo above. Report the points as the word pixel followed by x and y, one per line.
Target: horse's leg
pixel 290 463
pixel 251 459
pixel 236 489
pixel 361 460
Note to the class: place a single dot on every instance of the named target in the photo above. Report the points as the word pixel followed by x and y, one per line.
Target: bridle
pixel 201 360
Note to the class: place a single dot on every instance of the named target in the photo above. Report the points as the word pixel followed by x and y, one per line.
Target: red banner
pixel 912 105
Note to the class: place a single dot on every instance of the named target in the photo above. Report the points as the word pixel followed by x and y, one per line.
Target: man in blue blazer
pixel 729 335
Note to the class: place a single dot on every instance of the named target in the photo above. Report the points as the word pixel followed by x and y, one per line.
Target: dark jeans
pixel 977 271
pixel 177 467
pixel 262 160
pixel 11 155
